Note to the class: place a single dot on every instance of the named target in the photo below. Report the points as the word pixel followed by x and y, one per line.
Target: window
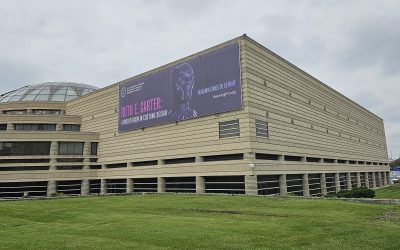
pixel 35 127
pixel 93 148
pixel 72 127
pixel 144 163
pixel 229 129
pixel 180 160
pixel 24 148
pixel 229 157
pixel 70 148
pixel 46 111
pixel 3 126
pixel 15 112
pixel 271 157
pixel 261 128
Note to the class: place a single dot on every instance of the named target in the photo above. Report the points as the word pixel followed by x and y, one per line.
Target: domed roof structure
pixel 49 91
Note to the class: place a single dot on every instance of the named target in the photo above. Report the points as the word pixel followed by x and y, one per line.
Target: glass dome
pixel 48 92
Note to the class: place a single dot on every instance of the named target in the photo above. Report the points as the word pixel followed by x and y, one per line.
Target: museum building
pixel 235 118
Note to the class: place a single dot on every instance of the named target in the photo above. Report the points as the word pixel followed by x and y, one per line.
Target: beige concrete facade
pixel 312 129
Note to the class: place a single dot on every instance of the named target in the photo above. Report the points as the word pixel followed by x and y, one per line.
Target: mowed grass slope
pixel 197 222
pixel 392 192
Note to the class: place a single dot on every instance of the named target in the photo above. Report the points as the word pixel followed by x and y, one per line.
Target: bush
pixel 361 192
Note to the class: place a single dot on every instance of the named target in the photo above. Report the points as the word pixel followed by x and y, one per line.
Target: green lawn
pixel 197 222
pixel 392 192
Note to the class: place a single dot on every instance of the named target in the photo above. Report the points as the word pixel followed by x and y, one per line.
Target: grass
pixel 197 222
pixel 391 192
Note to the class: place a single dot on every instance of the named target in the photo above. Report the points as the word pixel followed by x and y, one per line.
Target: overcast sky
pixel 353 46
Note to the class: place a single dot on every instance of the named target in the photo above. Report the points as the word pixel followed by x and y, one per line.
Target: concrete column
pixel 389 181
pixel 384 179
pixel 51 187
pixel 303 159
pixel 86 155
pixel 281 157
pixel 103 166
pixel 306 186
pixel 200 185
pixel 160 162
pixel 29 111
pixel 129 185
pixel 85 189
pixel 337 182
pixel 250 156
pixel 366 180
pixel 358 179
pixel 373 180
pixel 59 127
pixel 324 191
pixel 380 181
pixel 348 177
pixel 54 148
pixel 10 126
pixel 53 155
pixel 161 185
pixel 250 184
pixel 103 187
pixel 282 185
pixel 199 158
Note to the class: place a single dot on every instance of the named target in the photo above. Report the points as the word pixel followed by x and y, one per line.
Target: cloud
pixel 350 45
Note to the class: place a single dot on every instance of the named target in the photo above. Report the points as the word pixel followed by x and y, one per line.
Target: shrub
pixel 361 192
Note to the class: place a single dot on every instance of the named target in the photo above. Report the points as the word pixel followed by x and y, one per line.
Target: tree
pixel 394 163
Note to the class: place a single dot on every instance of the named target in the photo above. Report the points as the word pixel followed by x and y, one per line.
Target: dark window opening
pixel 268 184
pixel 95 166
pixel 93 159
pixel 70 160
pixel 326 160
pixel 180 160
pixel 341 161
pixel 270 157
pixel 15 190
pixel 180 184
pixel 72 127
pixel 70 148
pixel 35 127
pixel 352 162
pixel 3 126
pixel 24 148
pixel 361 162
pixel 24 160
pixel 225 184
pixel 314 184
pixel 27 168
pixel 69 167
pixel 116 186
pixel 330 183
pixel 368 163
pixel 94 186
pixel 46 111
pixel 313 159
pixel 117 165
pixel 93 148
pixel 16 112
pixel 69 187
pixel 229 157
pixel 292 158
pixel 144 163
pixel 148 185
pixel 294 184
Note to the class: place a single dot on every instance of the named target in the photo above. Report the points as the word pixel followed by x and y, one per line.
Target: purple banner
pixel 205 85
